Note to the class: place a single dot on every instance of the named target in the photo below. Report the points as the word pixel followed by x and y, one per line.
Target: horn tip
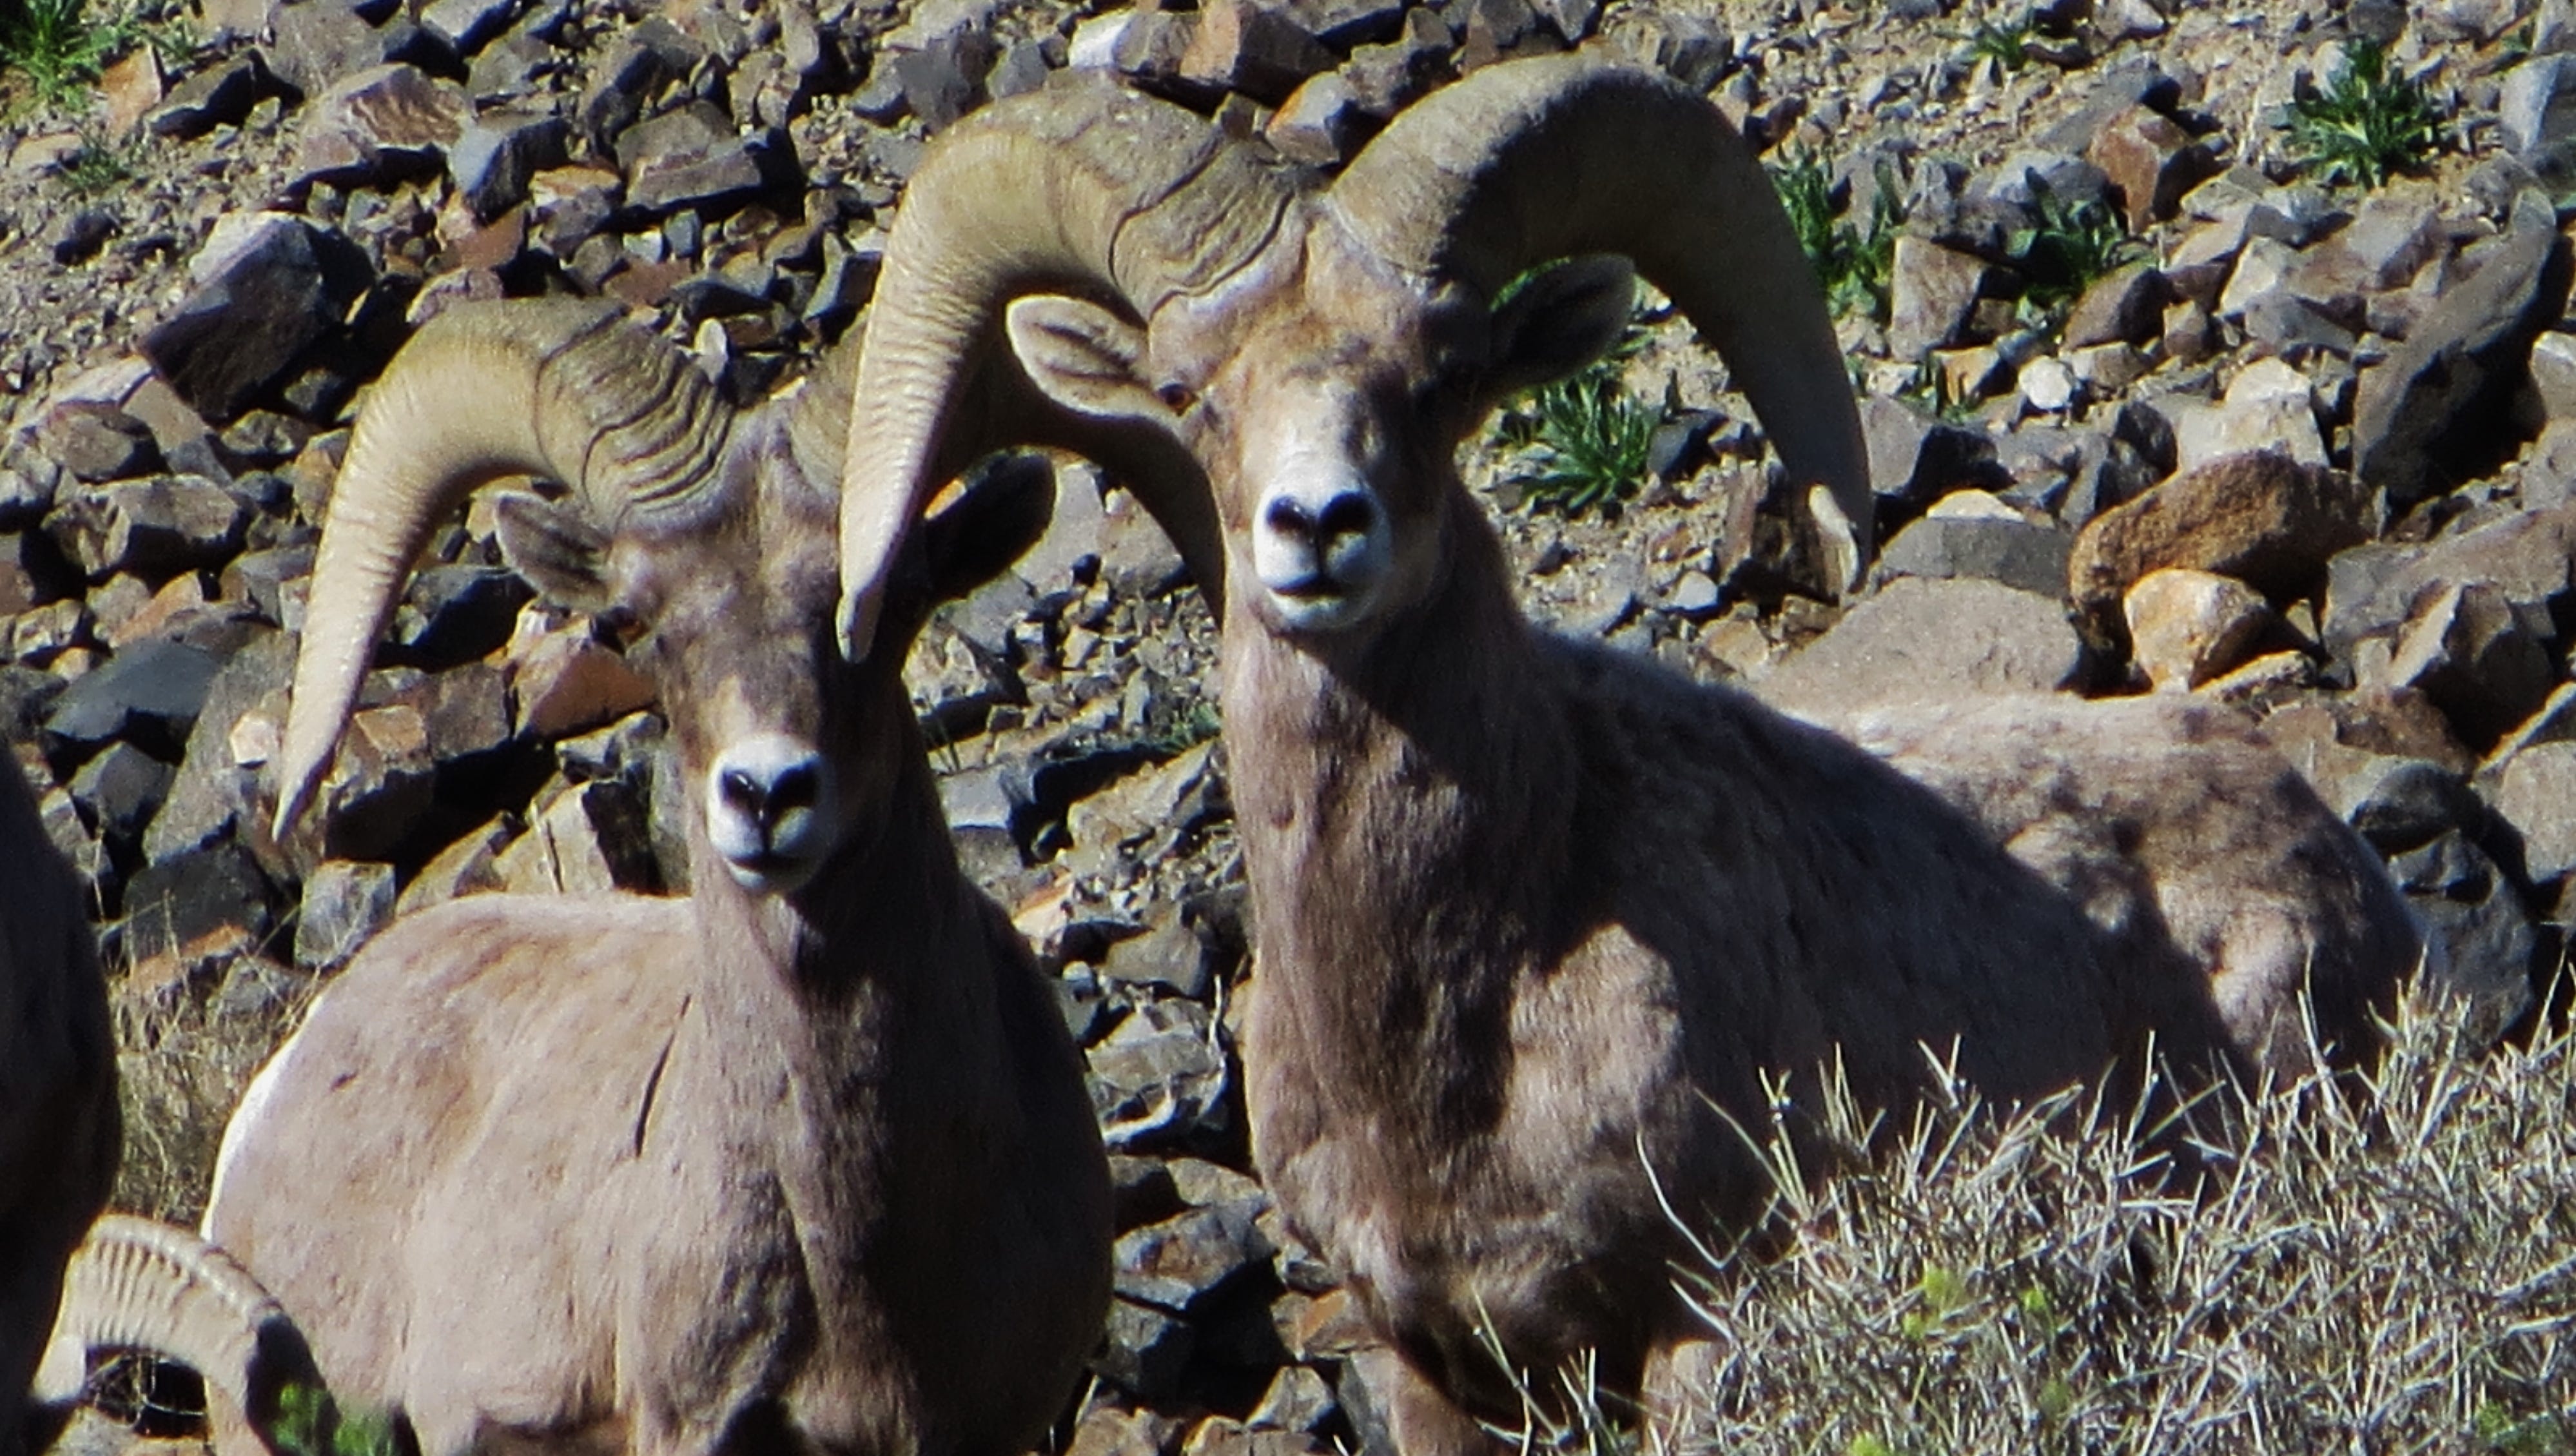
pixel 858 624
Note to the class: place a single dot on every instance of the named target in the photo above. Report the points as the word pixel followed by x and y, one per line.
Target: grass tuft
pixel 58 49
pixel 2366 124
pixel 2385 1263
pixel 2072 243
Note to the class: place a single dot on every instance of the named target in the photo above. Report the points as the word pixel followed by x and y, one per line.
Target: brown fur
pixel 1536 918
pixel 803 1171
pixel 58 1116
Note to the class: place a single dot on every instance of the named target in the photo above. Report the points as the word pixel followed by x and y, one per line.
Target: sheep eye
pixel 1176 396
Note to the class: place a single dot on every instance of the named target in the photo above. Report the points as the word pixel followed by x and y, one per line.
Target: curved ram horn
pixel 1533 160
pixel 1090 189
pixel 561 388
pixel 137 1284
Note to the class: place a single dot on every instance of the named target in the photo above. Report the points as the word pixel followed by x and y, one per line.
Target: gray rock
pixel 2434 411
pixel 97 442
pixel 468 24
pixel 944 80
pixel 1157 1080
pixel 1386 78
pixel 2534 790
pixel 32 572
pixel 1932 292
pixel 1321 124
pixel 691 160
pixel 219 95
pixel 1184 1261
pixel 2015 553
pixel 454 614
pixel 498 151
pixel 2464 647
pixel 213 788
pixel 379 124
pixel 148 695
pixel 1248 47
pixel 1298 1399
pixel 2536 115
pixel 1921 638
pixel 2125 305
pixel 1145 1350
pixel 644 60
pixel 1169 954
pixel 320 41
pixel 1343 24
pixel 2472 910
pixel 1915 459
pixel 345 904
pixel 1022 67
pixel 118 793
pixel 2529 558
pixel 212 894
pixel 267 289
pixel 2403 804
pixel 151 528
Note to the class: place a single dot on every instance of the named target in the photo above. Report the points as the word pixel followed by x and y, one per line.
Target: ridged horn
pixel 1089 189
pixel 1545 158
pixel 562 388
pixel 137 1284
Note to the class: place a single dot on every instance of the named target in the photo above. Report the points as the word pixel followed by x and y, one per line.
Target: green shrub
pixel 57 49
pixel 2072 243
pixel 2366 124
pixel 1854 262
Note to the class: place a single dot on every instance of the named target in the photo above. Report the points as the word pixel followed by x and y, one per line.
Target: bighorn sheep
pixel 1535 918
pixel 803 1159
pixel 58 1121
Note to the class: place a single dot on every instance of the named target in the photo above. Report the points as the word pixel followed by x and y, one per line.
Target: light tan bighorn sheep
pixel 58 1121
pixel 1535 918
pixel 802 1161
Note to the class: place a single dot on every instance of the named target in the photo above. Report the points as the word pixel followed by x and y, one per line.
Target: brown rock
pixel 589 839
pixel 2261 518
pixel 1108 1431
pixel 2187 627
pixel 566 682
pixel 1932 290
pixel 2123 306
pixel 2150 162
pixel 1921 637
pixel 1321 123
pixel 2466 649
pixel 1240 45
pixel 381 121
pixel 470 866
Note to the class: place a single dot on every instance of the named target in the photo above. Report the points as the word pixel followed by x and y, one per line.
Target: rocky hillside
pixel 2220 350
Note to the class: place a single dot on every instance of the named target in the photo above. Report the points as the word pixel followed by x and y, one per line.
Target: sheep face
pixel 730 614
pixel 1326 394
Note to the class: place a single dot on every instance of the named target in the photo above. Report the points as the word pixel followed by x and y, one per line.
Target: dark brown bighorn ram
pixel 802 1161
pixel 1534 918
pixel 58 1120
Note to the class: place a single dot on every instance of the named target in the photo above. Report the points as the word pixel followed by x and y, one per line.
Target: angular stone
pixel 1920 638
pixel 2399 804
pixel 1388 77
pixel 118 793
pixel 148 695
pixel 2433 411
pixel 1169 954
pixel 32 572
pixel 566 682
pixel 2150 163
pixel 454 614
pixel 943 80
pixel 1343 24
pixel 2269 406
pixel 97 441
pixel 1915 459
pixel 1245 46
pixel 1932 292
pixel 2125 305
pixel 591 839
pixel 2262 518
pixel 2534 790
pixel 1157 1079
pixel 345 904
pixel 150 528
pixel 1298 1399
pixel 1145 1350
pixel 213 895
pixel 1183 1261
pixel 2188 627
pixel 497 153
pixel 2468 904
pixel 2464 647
pixel 269 286
pixel 468 24
pixel 691 159
pixel 381 123
pixel 214 785
pixel 219 95
pixel 470 866
pixel 1321 123
pixel 2014 552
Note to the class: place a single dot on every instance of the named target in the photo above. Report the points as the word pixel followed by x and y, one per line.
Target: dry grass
pixel 183 1057
pixel 2381 1268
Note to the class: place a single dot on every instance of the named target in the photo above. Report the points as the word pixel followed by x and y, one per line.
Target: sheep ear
pixel 1564 316
pixel 559 552
pixel 1084 358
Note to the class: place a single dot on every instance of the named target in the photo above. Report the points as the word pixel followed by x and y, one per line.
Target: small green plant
pixel 2071 243
pixel 309 1425
pixel 99 166
pixel 58 49
pixel 2366 124
pixel 1587 442
pixel 2007 45
pixel 1853 261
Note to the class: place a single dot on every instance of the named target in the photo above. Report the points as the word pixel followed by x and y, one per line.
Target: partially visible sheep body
pixel 58 1116
pixel 1537 921
pixel 803 1161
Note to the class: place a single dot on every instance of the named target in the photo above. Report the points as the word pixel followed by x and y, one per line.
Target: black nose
pixel 1349 513
pixel 1290 518
pixel 762 799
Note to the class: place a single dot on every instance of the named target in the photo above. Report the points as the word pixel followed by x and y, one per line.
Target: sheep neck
pixel 1406 881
